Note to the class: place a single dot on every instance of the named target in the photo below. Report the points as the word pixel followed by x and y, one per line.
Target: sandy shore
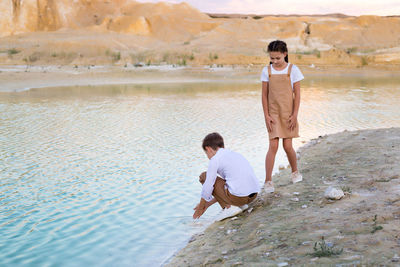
pixel 283 227
pixel 16 78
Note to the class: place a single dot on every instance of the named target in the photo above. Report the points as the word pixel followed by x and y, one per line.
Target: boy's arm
pixel 207 199
pixel 202 207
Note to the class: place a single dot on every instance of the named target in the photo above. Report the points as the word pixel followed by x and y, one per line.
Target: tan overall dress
pixel 280 104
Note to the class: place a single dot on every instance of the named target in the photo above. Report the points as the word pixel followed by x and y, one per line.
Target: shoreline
pixel 18 78
pixel 283 227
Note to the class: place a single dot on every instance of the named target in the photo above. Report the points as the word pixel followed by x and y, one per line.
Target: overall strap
pixel 289 70
pixel 269 71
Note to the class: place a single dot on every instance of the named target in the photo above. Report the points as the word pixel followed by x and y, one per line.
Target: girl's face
pixel 278 58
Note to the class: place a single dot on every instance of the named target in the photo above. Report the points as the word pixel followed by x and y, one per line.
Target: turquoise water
pixel 107 176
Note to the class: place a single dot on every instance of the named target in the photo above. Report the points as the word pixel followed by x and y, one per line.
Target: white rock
pixel 283 264
pixel 333 193
pixel 296 199
pixel 296 193
pixel 304 206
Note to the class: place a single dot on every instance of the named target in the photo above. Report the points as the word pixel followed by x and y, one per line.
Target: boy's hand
pixel 199 209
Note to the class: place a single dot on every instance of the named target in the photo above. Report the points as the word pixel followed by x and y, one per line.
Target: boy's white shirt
pixel 235 169
pixel 295 75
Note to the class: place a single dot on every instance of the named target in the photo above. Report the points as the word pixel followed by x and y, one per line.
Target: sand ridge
pixel 96 32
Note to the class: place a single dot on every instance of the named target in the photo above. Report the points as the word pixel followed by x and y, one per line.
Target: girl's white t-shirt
pixel 295 75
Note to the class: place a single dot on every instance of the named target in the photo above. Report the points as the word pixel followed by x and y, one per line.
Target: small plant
pixel 54 55
pixel 364 61
pixel 186 43
pixel 351 50
pixel 212 56
pixel 12 51
pixel 321 249
pixel 116 56
pixel 346 189
pixel 191 57
pixel 375 226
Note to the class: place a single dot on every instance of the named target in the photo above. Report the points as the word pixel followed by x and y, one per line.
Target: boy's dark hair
pixel 278 46
pixel 213 140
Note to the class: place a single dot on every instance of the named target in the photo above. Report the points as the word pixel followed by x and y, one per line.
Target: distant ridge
pixel 255 16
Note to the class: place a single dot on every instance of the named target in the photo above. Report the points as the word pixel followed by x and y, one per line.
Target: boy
pixel 237 186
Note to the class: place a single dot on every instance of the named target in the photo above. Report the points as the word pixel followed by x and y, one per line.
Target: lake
pixel 108 175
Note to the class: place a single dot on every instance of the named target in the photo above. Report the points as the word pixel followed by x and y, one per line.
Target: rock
pixel 333 193
pixel 396 258
pixel 295 199
pixel 304 206
pixel 283 264
pixel 296 193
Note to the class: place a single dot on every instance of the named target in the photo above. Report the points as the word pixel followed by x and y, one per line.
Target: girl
pixel 280 101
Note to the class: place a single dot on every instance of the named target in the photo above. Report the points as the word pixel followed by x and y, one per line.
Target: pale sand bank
pixel 282 230
pixel 17 78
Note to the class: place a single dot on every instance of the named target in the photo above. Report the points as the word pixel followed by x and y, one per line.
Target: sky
pixel 348 7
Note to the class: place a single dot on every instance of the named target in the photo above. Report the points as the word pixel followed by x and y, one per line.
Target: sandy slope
pixel 80 32
pixel 282 230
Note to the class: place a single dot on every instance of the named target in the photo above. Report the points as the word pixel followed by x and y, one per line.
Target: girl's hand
pixel 292 122
pixel 269 121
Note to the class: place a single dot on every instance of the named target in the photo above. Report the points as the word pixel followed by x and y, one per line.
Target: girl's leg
pixel 270 158
pixel 291 154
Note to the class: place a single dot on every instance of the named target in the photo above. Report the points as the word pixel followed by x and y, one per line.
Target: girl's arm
pixel 264 99
pixel 296 105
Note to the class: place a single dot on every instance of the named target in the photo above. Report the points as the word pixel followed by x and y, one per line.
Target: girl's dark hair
pixel 213 140
pixel 278 46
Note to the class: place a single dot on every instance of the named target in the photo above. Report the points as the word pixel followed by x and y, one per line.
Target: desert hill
pixel 125 31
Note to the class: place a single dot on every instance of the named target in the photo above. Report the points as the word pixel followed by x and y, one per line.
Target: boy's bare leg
pixel 291 154
pixel 270 158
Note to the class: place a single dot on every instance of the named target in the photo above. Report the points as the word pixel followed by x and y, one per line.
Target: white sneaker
pixel 269 187
pixel 296 177
pixel 244 207
pixel 227 213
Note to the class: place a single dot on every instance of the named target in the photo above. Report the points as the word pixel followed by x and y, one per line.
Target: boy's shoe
pixel 244 207
pixel 227 213
pixel 296 177
pixel 269 187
